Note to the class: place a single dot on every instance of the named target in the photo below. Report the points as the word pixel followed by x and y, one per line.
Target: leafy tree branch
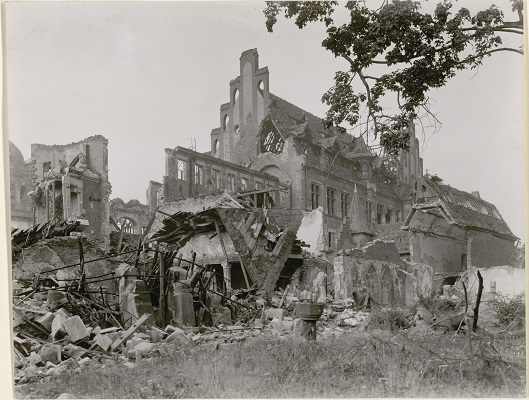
pixel 418 51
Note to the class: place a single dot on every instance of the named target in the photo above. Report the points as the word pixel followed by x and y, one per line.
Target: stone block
pixel 177 337
pixel 45 320
pixel 57 327
pixel 34 358
pixel 183 310
pixel 103 341
pixel 55 296
pixel 51 353
pixel 75 328
pixel 272 313
pixel 73 351
pixel 223 316
pixel 143 348
pixel 305 330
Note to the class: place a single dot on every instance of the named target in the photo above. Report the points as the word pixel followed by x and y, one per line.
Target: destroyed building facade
pixel 19 187
pixel 71 182
pixel 260 133
pixel 452 230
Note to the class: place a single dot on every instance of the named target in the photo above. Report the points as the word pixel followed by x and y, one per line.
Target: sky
pixel 152 75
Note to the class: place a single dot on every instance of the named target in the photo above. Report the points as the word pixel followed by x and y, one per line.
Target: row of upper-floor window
pixel 384 214
pixel 232 182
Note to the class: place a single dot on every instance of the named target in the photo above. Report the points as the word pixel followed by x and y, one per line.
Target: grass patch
pixel 374 364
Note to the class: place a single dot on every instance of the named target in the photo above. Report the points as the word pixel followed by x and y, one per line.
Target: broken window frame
pixel 331 201
pixel 345 201
pixel 315 194
pixel 231 183
pixel 369 210
pixel 46 166
pixel 182 167
pixel 216 178
pixel 199 174
pixel 389 215
pixel 245 183
pixel 331 239
pixel 381 215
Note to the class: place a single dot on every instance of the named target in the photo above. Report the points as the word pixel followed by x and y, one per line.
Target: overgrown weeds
pixel 362 364
pixel 509 311
pixel 392 319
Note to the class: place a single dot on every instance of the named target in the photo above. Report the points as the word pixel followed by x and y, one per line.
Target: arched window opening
pixel 215 147
pixel 126 225
pixel 235 95
pixel 260 86
pixel 226 122
pixel 272 142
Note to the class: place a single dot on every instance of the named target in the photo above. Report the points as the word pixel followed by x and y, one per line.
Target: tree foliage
pixel 417 51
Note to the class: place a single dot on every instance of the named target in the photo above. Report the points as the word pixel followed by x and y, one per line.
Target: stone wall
pixel 487 250
pixel 377 269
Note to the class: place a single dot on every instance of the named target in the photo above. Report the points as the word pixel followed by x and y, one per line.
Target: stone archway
pixel 128 225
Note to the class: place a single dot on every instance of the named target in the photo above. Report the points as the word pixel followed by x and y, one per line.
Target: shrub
pixel 393 319
pixel 509 309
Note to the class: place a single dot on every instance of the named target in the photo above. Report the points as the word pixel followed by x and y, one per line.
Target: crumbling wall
pixel 486 250
pixel 133 210
pixel 311 230
pixel 376 269
pixel 436 243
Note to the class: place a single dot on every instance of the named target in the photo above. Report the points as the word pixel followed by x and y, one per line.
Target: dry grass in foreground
pixel 374 364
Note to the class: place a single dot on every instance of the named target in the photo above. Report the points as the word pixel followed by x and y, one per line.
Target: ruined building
pixel 71 182
pixel 265 142
pixel 20 185
pixel 452 230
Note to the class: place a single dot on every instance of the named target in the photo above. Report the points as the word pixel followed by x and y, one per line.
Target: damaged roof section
pixel 260 246
pixel 466 210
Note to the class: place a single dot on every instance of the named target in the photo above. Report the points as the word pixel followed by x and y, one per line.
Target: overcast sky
pixel 150 76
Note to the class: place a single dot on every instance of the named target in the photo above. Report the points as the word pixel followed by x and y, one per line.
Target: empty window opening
pixel 369 211
pixel 380 214
pixel 330 240
pixel 245 183
pixel 231 183
pixel 216 147
pixel 126 225
pixel 399 216
pixel 345 204
pixel 226 122
pixel 235 95
pixel 389 216
pixel 182 169
pixel 199 174
pixel 260 86
pixel 331 201
pixel 315 194
pixel 237 128
pixel 46 168
pixel 216 178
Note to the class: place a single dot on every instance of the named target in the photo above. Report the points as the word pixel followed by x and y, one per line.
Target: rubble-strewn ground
pixel 345 361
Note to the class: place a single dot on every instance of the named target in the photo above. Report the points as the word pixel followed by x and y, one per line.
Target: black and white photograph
pixel 250 199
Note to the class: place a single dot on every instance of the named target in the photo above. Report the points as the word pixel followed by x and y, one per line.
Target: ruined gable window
pixel 369 210
pixel 199 174
pixel 244 183
pixel 215 147
pixel 126 225
pixel 344 201
pixel 235 95
pixel 182 169
pixel 380 214
pixel 216 178
pixel 272 142
pixel 315 195
pixel 231 183
pixel 331 200
pixel 225 122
